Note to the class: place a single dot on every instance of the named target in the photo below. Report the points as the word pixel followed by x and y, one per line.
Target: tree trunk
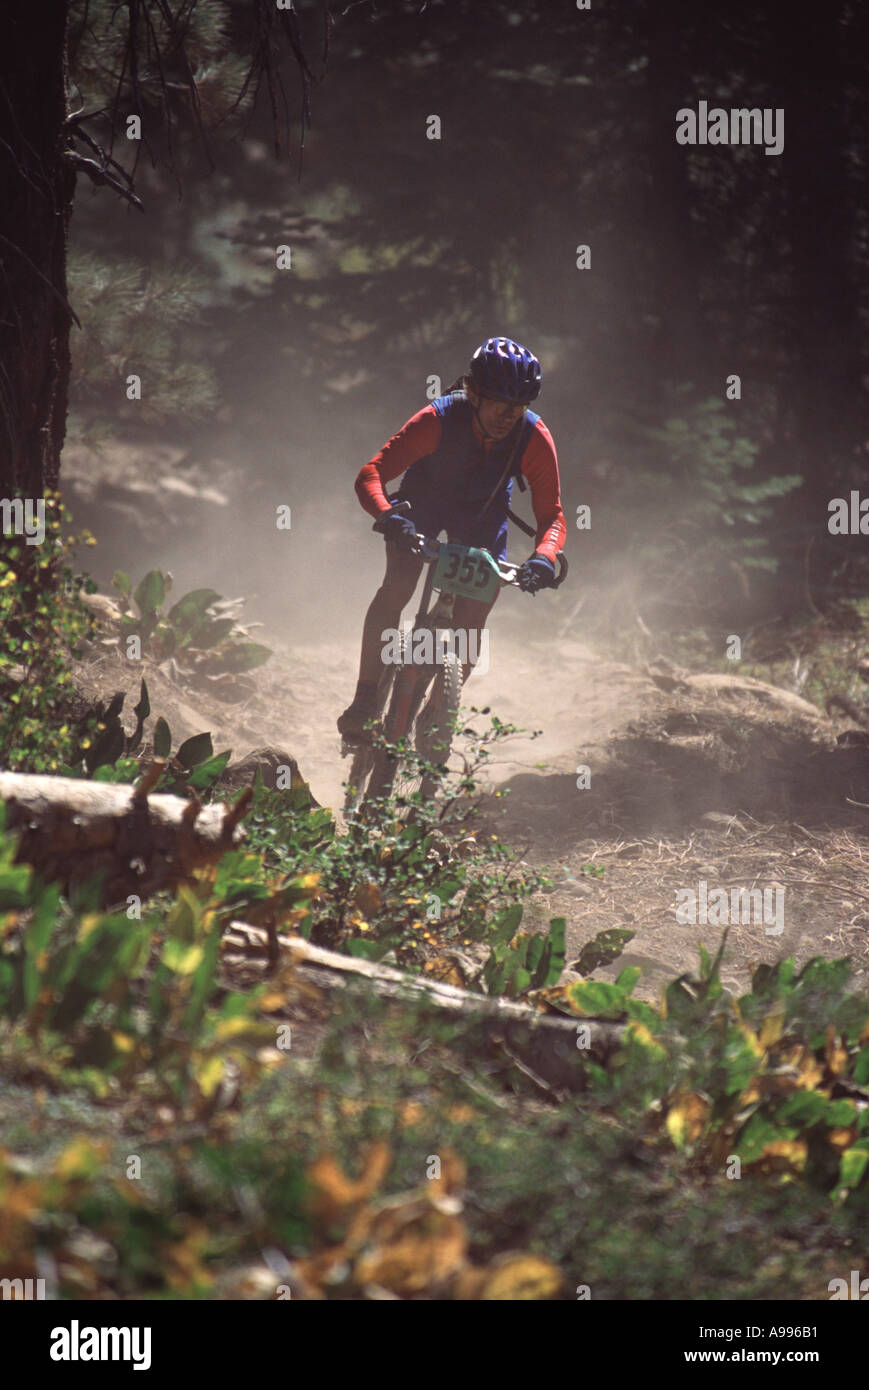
pixel 828 412
pixel 669 250
pixel 73 831
pixel 36 191
pixel 542 1045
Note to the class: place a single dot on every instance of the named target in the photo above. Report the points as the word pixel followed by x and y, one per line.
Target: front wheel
pixel 408 691
pixel 437 722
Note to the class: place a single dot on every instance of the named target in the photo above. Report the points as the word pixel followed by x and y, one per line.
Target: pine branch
pixel 99 174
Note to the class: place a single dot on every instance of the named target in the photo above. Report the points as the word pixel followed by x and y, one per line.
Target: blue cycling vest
pixel 460 471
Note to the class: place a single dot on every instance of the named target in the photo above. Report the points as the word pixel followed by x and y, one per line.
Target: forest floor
pixel 644 783
pixel 704 777
pixel 701 776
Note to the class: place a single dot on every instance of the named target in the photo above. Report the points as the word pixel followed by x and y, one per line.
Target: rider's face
pixel 497 417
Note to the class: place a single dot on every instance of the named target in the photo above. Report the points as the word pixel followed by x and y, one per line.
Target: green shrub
pixel 407 876
pixel 43 620
pixel 103 997
pixel 107 753
pixel 196 630
pixel 776 1078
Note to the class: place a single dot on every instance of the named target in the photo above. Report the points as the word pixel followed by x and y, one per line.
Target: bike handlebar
pixel 428 549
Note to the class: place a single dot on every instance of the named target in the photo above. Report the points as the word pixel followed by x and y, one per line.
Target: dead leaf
pixel 333 1193
pixel 835 1056
pixel 782 1156
pixel 367 899
pixel 412 1256
pixel 445 969
pixel 686 1119
pixel 520 1278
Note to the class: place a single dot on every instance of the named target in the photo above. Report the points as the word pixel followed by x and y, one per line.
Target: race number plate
pixel 471 573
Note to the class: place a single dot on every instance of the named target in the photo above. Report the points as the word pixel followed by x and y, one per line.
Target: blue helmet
pixel 504 368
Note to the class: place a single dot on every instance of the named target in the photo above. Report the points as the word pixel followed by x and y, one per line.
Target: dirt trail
pixel 709 778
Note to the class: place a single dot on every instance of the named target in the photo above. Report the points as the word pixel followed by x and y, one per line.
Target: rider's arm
pixel 417 438
pixel 540 467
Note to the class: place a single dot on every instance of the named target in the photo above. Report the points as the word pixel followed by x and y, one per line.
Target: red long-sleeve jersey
pixel 421 435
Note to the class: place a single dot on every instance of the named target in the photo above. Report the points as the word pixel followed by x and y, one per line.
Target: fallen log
pixel 547 1047
pixel 72 831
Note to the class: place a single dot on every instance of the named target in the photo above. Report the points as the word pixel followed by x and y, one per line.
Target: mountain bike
pixel 425 663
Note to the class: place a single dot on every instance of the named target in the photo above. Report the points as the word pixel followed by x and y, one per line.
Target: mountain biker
pixel 460 454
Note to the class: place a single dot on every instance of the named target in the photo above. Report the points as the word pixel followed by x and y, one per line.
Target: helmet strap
pixel 484 432
pixel 476 413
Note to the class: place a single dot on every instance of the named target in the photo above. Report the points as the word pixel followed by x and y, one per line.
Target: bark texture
pixel 71 831
pixel 37 181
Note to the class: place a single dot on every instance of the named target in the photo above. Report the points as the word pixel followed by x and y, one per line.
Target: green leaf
pixel 211 633
pixel 164 640
pixel 141 627
pixel 188 612
pixel 628 977
pixel 299 797
pixel 820 973
pixel 804 1108
pixel 141 711
pixel 681 1000
pixel 552 960
pixel 243 656
pixel 758 1133
pixel 184 916
pixel 861 1068
pixel 596 998
pixel 162 738
pixel 150 594
pixel 840 1113
pixel 507 925
pixel 207 773
pixel 36 942
pixel 641 1012
pixel 195 750
pixel 853 1166
pixel 202 987
pixel 520 982
pixel 107 748
pixel 534 947
pixel 365 950
pixel 445 888
pixel 192 607
pixel 604 948
pixel 181 957
pixel 143 708
pixel 122 582
pixel 124 770
pixel 14 887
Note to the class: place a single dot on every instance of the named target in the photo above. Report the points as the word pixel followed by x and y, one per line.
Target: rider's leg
pixel 385 609
pixel 384 612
